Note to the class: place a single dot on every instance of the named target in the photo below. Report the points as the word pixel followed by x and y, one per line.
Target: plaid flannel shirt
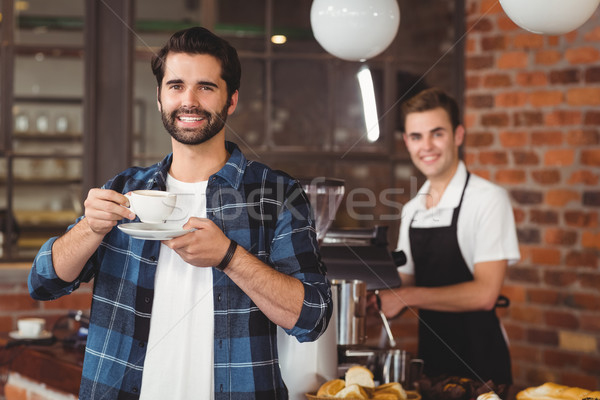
pixel 264 211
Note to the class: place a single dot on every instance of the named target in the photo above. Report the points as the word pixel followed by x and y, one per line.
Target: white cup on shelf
pixel 31 327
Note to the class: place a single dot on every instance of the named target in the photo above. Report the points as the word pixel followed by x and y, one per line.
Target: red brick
pixel 546 98
pixel 590 364
pixel 472 82
pixel 590 322
pixel 528 118
pixel 580 380
pixel 544 217
pixel 590 280
pixel 561 197
pixel 590 157
pixel 493 158
pixel 527 314
pixel 546 177
pixel 588 96
pixel 590 240
pixel 479 62
pixel 561 319
pixel 582 55
pixel 528 235
pixel 592 75
pixel 494 119
pixel 513 139
pixel 593 35
pixel 590 302
pixel 583 137
pixel 561 117
pixel 479 139
pixel 6 324
pixel 493 43
pixel 585 258
pixel 581 219
pixel 545 256
pixel 525 158
pixel 557 358
pixel 592 118
pixel 547 138
pixel 542 336
pixel 548 57
pixel 519 215
pixel 528 275
pixel 490 7
pixel 480 101
pixel 516 293
pixel 591 198
pixel 510 176
pixel 562 157
pixel 513 59
pixel 565 76
pixel 543 296
pixel 555 236
pixel 583 177
pixel 528 41
pixel 526 196
pixel 506 24
pixel 560 279
pixel 532 79
pixel 511 99
pixel 481 25
pixel 497 80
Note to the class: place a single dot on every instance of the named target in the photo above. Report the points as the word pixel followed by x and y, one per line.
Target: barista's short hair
pixel 427 100
pixel 199 40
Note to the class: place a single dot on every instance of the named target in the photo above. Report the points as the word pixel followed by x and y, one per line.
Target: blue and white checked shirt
pixel 264 211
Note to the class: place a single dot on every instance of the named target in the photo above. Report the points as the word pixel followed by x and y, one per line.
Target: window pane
pixel 292 19
pixel 246 126
pixel 242 23
pixel 301 104
pixel 43 22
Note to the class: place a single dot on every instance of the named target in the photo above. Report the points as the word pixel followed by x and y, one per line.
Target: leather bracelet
pixel 228 256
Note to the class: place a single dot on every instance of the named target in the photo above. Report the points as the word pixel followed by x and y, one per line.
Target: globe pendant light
pixel 355 30
pixel 550 17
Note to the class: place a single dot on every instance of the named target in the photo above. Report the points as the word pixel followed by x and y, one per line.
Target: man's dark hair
pixel 427 100
pixel 198 40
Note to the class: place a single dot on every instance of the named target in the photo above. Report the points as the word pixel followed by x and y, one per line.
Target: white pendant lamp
pixel 549 17
pixel 355 30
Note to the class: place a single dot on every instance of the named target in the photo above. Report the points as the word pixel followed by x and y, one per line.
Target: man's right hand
pixel 103 208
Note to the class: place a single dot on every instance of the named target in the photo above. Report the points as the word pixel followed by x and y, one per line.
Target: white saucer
pixel 142 230
pixel 18 336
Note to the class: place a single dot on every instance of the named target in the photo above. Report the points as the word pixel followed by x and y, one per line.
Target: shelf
pixel 49 136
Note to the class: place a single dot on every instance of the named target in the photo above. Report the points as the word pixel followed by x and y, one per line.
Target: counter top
pixel 52 364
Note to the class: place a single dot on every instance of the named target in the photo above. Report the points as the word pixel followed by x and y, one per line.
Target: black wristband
pixel 228 256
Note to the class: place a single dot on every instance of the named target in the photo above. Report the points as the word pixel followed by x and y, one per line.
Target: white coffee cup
pixel 31 327
pixel 152 206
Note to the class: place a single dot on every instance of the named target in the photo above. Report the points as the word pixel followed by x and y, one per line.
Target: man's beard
pixel 214 123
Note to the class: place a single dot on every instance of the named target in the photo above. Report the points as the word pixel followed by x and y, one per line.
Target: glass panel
pixel 358 107
pixel 242 23
pixel 43 75
pixel 156 21
pixel 41 217
pixel 43 22
pixel 301 104
pixel 151 141
pixel 246 126
pixel 292 20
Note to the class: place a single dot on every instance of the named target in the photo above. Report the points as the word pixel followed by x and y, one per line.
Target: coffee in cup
pixel 152 206
pixel 31 327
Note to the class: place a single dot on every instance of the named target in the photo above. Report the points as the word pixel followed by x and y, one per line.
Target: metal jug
pixel 351 299
pixel 398 366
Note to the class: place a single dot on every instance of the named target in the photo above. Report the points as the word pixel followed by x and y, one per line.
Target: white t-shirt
pixel 180 355
pixel 486 225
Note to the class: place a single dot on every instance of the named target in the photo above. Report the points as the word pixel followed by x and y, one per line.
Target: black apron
pixel 465 344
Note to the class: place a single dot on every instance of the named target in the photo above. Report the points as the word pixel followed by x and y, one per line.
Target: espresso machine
pixel 357 261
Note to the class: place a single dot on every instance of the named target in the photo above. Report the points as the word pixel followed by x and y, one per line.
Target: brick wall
pixel 532 115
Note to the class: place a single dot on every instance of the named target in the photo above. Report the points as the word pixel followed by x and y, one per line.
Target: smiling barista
pixel 459 236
